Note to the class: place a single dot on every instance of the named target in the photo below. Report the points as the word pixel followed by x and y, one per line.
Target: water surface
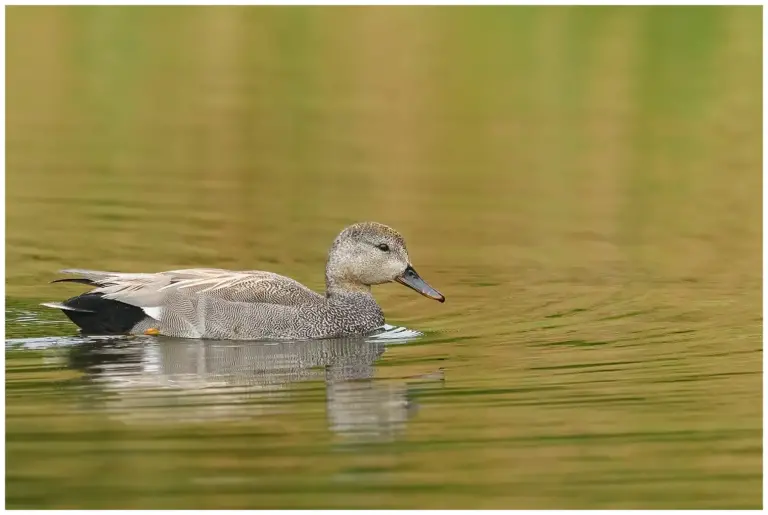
pixel 582 184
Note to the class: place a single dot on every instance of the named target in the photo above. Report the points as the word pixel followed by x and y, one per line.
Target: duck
pixel 218 304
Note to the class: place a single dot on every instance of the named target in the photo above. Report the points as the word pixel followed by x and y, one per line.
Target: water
pixel 589 210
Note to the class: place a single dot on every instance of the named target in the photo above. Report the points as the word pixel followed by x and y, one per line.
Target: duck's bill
pixel 412 280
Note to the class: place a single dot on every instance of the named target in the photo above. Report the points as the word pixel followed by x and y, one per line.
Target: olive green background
pixel 582 183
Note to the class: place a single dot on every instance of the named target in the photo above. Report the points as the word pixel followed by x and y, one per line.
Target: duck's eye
pixel 383 247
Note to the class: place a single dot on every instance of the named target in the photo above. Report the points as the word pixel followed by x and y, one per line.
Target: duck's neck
pixel 353 304
pixel 336 287
pixel 338 280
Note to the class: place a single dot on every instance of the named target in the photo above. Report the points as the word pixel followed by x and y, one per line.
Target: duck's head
pixel 370 253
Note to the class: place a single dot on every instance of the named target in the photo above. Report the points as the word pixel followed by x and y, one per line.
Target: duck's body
pixel 224 304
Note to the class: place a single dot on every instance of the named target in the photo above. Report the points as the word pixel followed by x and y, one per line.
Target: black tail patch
pixel 99 316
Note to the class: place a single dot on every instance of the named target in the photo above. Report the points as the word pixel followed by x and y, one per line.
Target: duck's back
pixel 252 286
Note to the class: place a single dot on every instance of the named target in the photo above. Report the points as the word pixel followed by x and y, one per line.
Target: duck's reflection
pixel 164 379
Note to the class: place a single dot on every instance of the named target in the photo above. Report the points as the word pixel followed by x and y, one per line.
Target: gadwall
pixel 223 304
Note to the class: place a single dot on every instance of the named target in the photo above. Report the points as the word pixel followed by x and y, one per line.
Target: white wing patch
pixel 152 312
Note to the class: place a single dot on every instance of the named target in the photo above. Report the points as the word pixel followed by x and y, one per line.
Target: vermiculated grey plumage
pixel 222 304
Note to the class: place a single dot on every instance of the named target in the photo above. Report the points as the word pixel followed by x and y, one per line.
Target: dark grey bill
pixel 412 280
